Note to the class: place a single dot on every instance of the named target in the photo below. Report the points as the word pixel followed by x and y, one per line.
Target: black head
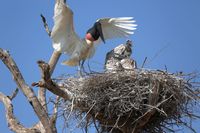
pixel 129 43
pixel 95 32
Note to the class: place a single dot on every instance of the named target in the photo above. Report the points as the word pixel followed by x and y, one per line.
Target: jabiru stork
pixel 65 40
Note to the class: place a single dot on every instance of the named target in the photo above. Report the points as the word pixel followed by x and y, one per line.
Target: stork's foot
pixel 84 71
pixel 80 74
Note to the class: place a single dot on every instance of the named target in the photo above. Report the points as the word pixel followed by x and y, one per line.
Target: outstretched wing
pixel 63 35
pixel 117 27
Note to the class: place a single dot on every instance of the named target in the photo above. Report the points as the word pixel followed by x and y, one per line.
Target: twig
pixel 84 116
pixel 115 125
pixel 14 94
pixel 55 111
pixel 158 53
pixel 166 68
pixel 95 125
pixel 155 107
pixel 45 25
pixel 144 62
pixel 72 107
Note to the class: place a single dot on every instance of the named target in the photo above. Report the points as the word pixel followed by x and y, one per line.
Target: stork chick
pixel 119 59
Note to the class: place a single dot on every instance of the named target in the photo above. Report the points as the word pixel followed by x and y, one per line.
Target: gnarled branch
pixel 47 82
pixel 28 91
pixel 52 63
pixel 13 123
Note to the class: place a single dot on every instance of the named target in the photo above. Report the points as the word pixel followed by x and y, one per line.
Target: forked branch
pixel 47 82
pixel 28 91
pixel 13 123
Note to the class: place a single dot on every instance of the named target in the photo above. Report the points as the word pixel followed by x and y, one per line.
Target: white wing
pixel 63 35
pixel 117 27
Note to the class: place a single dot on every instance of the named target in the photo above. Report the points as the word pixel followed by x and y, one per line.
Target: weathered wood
pixel 28 91
pixel 47 82
pixel 13 123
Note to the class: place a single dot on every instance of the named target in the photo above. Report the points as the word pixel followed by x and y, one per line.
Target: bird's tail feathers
pixel 71 62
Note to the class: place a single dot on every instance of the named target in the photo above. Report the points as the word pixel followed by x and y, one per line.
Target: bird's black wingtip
pixel 43 18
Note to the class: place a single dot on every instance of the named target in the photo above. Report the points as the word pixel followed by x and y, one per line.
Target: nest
pixel 129 101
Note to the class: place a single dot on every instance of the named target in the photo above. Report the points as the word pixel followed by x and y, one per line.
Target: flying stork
pixel 65 40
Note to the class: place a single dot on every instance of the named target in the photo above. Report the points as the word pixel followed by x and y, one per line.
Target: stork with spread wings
pixel 65 39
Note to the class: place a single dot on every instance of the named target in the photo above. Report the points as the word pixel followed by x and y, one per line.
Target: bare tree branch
pixel 45 25
pixel 28 91
pixel 14 94
pixel 13 123
pixel 144 62
pixel 55 110
pixel 55 113
pixel 42 97
pixel 55 55
pixel 42 91
pixel 47 82
pixel 40 127
pixel 158 53
pixel 52 62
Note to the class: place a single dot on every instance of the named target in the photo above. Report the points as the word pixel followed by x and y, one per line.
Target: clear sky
pixel 168 34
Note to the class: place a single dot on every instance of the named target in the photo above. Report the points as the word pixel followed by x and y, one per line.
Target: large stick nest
pixel 130 101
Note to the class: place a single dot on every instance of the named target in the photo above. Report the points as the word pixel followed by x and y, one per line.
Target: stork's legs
pixel 82 66
pixel 81 69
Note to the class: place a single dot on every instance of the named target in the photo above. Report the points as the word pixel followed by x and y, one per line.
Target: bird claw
pixel 80 75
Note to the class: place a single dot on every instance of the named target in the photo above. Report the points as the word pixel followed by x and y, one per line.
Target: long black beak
pixel 99 29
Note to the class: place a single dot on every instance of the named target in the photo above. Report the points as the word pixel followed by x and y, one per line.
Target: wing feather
pixel 117 27
pixel 63 35
pixel 126 27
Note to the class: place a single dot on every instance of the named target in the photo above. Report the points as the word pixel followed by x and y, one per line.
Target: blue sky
pixel 168 34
